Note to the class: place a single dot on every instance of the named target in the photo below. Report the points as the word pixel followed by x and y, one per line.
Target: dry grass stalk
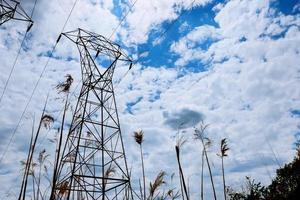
pixel 179 143
pixel 58 148
pixel 206 142
pixel 223 153
pixel 139 138
pixel 44 118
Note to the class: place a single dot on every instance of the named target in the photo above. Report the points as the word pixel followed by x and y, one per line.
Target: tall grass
pixel 206 142
pixel 139 138
pixel 25 175
pixel 45 121
pixel 223 153
pixel 61 88
pixel 179 143
pixel 158 182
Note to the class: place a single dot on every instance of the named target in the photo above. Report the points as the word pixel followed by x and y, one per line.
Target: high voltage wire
pixel 18 53
pixel 38 81
pixel 124 17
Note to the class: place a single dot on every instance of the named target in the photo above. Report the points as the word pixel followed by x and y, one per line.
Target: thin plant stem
pixel 33 185
pixel 58 150
pixel 143 168
pixel 209 169
pixel 141 190
pixel 34 144
pixel 223 173
pixel 202 175
pixel 26 171
pixel 181 172
pixel 39 181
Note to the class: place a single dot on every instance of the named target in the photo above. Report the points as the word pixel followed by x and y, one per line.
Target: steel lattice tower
pixel 11 9
pixel 93 163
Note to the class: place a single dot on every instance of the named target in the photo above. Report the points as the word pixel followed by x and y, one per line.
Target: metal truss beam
pixel 11 9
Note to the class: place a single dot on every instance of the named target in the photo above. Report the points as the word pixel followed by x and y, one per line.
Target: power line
pixel 38 81
pixel 124 17
pixel 19 51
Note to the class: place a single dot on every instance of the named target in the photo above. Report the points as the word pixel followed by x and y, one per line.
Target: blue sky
pixel 234 64
pixel 172 30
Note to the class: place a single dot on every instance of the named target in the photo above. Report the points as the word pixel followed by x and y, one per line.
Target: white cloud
pixel 245 96
pixel 253 83
pixel 187 47
pixel 148 15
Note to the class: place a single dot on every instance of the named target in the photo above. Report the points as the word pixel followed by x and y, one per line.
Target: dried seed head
pixel 139 136
pixel 47 120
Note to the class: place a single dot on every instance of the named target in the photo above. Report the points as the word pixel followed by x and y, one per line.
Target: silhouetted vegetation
pixel 285 186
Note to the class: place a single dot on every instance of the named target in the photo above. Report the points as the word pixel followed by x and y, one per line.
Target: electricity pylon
pixel 11 9
pixel 93 163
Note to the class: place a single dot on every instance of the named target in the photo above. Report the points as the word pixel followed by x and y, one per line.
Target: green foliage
pixel 285 186
pixel 252 191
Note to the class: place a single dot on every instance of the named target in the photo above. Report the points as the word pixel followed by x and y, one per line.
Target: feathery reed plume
pixel 172 194
pixel 65 86
pixel 159 181
pixel 179 143
pixel 223 153
pixel 109 172
pixel 47 120
pixel 206 142
pixel 169 194
pixel 63 188
pixel 139 138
